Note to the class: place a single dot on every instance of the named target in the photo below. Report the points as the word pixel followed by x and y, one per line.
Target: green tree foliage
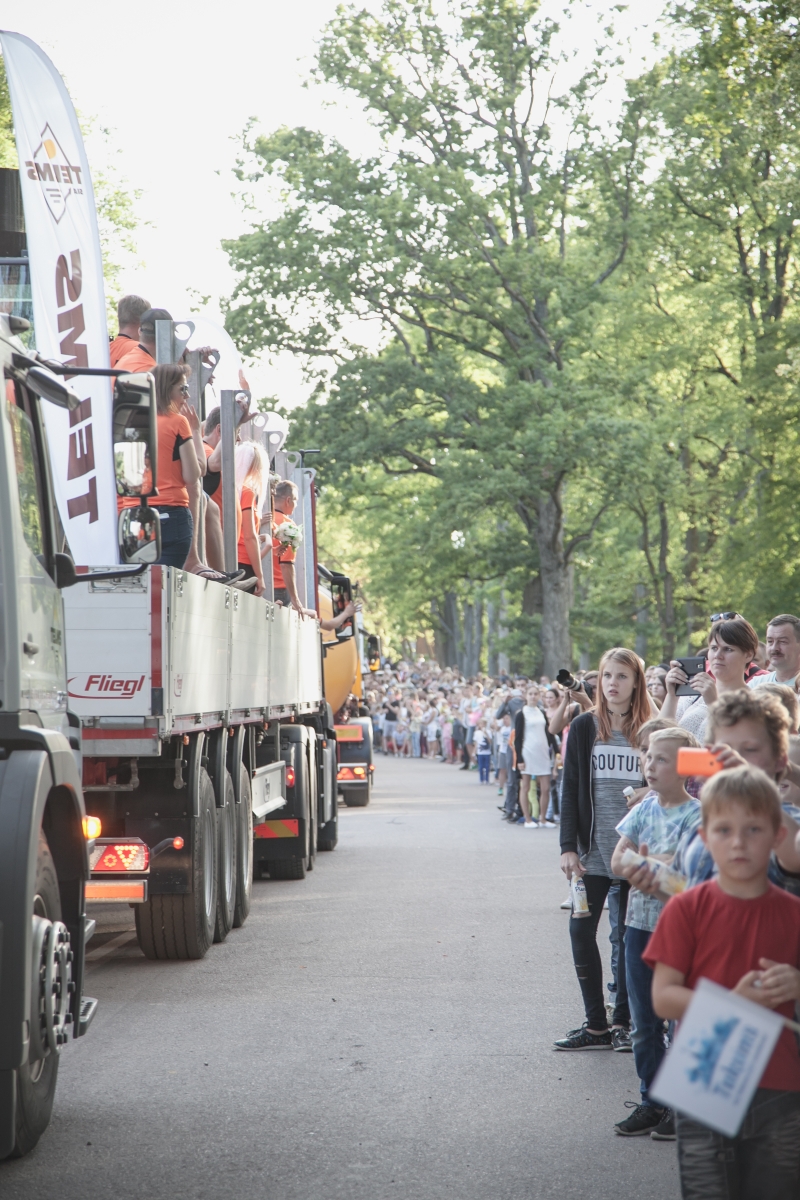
pixel 585 323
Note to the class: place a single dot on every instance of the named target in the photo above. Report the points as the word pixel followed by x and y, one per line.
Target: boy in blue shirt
pixel 665 815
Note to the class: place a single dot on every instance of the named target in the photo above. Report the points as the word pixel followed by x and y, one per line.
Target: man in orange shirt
pixel 284 502
pixel 142 355
pixel 129 313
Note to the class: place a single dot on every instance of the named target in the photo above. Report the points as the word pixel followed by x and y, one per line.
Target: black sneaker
pixel 643 1120
pixel 621 1041
pixel 665 1130
pixel 581 1039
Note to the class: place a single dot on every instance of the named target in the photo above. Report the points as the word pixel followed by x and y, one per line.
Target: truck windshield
pixel 25 462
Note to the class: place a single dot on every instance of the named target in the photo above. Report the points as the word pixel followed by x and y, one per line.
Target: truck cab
pixel 44 852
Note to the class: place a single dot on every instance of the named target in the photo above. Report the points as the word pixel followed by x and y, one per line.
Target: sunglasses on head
pixel 723 616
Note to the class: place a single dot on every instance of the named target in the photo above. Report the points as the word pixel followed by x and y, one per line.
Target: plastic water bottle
pixel 580 901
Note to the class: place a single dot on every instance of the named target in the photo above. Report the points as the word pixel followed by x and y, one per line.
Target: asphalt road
pixel 380 1030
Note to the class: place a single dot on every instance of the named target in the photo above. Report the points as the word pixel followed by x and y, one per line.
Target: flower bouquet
pixel 289 535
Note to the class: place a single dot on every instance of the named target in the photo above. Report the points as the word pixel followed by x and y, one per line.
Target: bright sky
pixel 176 83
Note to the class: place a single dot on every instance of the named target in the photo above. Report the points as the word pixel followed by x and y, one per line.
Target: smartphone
pixel 697 761
pixel 692 666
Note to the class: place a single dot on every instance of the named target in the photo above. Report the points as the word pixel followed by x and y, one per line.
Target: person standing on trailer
pixel 284 582
pixel 129 314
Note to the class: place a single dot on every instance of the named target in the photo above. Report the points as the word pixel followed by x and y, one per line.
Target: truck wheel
pixel 328 835
pixel 355 798
pixel 226 862
pixel 181 927
pixel 36 1078
pixel 244 850
pixel 287 868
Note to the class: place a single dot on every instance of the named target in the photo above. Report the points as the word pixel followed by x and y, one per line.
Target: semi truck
pixel 44 848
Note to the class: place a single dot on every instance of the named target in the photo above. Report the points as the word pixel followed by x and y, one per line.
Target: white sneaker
pixel 566 903
pixel 549 824
pixel 531 825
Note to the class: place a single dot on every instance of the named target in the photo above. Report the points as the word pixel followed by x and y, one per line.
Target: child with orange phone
pixel 697 761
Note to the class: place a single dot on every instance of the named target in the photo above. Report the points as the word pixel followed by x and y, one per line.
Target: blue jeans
pixel 416 740
pixel 484 763
pixel 647 1030
pixel 176 534
pixel 614 936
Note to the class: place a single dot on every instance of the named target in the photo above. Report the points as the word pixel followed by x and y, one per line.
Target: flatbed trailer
pixel 208 749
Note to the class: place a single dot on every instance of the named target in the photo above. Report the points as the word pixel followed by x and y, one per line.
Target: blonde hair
pixel 258 471
pixel 744 785
pixel 674 733
pixel 652 726
pixel 640 699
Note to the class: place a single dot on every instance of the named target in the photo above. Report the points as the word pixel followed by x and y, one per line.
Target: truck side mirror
pixel 373 652
pixel 135 435
pixel 341 595
pixel 139 535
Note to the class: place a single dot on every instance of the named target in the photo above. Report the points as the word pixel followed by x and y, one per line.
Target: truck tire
pixel 182 927
pixel 244 850
pixel 287 868
pixel 328 834
pixel 356 798
pixel 226 861
pixel 36 1080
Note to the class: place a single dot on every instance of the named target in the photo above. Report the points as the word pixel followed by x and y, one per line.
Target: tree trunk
pixel 503 664
pixel 666 575
pixel 492 628
pixel 642 616
pixel 555 576
pixel 447 626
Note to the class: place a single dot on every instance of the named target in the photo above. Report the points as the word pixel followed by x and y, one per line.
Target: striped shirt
pixel 615 765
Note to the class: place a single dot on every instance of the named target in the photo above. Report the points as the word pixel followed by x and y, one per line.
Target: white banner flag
pixel 721 1050
pixel 68 300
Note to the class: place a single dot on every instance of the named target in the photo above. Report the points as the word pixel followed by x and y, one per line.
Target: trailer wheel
pixel 182 927
pixel 356 797
pixel 226 861
pixel 36 1078
pixel 328 834
pixel 287 868
pixel 244 850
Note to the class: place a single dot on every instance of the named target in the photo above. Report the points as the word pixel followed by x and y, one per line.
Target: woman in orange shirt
pixel 180 454
pixel 253 485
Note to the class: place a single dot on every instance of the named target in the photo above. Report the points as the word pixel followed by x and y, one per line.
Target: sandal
pixel 210 574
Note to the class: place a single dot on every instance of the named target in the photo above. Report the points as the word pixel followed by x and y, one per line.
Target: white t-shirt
pixel 771 677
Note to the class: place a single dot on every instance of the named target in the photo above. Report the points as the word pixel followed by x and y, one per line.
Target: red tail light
pixel 290 776
pixel 345 773
pixel 118 857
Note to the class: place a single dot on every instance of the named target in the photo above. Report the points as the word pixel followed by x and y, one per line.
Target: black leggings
pixel 586 956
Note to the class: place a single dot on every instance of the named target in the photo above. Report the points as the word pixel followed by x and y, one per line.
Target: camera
pixel 568 680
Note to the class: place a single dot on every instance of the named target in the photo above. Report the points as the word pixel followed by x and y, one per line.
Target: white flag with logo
pixel 68 300
pixel 721 1050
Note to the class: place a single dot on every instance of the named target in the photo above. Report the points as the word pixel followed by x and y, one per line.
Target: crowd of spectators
pixel 598 755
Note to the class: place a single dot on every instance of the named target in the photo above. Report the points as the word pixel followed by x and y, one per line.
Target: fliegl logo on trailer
pixel 59 178
pixel 106 687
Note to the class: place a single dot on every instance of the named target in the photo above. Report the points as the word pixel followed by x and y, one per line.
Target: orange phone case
pixel 697 761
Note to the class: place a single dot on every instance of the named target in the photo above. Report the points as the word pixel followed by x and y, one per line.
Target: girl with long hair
pixel 601 761
pixel 181 462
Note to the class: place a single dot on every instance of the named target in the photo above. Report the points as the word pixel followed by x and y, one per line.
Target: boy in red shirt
pixel 742 932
